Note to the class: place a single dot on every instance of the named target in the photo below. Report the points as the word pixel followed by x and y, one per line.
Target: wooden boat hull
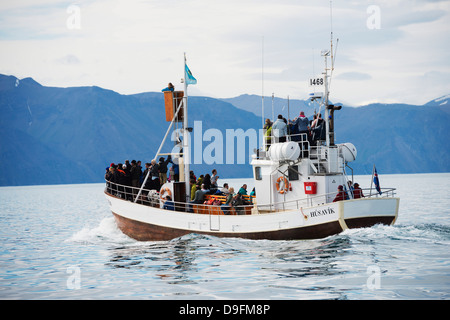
pixel 144 223
pixel 149 232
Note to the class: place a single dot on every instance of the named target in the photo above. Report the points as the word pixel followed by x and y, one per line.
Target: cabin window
pixel 258 175
pixel 293 173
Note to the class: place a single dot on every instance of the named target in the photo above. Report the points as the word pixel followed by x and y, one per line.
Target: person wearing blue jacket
pixel 302 123
pixel 170 87
pixel 279 129
pixel 168 204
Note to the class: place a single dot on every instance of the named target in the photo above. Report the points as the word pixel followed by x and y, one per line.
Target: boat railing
pixel 314 150
pixel 309 148
pixel 153 198
pixel 319 199
pixel 301 138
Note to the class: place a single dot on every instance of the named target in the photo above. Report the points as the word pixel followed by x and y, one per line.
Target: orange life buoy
pixel 285 187
pixel 163 191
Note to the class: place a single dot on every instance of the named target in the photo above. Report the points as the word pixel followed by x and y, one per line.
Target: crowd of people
pixel 281 128
pixel 207 184
pixel 130 175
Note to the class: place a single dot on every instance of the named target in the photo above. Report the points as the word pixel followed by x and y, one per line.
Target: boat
pixel 296 179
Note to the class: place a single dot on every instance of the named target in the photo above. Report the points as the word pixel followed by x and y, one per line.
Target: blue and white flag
pixel 189 77
pixel 376 181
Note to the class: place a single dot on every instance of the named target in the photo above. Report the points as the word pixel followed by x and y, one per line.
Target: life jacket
pixel 357 193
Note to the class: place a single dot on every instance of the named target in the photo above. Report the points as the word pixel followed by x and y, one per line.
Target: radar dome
pixel 347 151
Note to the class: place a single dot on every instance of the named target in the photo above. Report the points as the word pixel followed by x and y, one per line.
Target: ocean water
pixel 61 242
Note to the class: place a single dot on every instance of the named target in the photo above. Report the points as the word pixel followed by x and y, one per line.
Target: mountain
pixel 397 138
pixel 51 135
pixel 441 101
pixel 70 135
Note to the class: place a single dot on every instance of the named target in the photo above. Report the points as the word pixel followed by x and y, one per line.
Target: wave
pixel 426 232
pixel 106 232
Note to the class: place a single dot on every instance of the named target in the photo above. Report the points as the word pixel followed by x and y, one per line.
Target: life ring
pixel 285 187
pixel 163 191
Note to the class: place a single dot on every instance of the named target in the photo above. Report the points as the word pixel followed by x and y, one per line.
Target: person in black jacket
pixel 136 173
pixel 207 181
pixel 163 169
pixel 113 178
pixel 126 169
pixel 148 183
pixel 154 175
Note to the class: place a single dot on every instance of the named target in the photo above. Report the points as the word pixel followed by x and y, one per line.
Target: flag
pixel 189 77
pixel 376 181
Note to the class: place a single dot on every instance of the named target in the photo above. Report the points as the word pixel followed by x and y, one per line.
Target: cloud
pixel 138 46
pixel 69 59
pixel 23 20
pixel 399 19
pixel 354 76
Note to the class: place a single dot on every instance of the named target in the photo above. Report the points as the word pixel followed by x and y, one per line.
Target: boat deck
pixel 153 198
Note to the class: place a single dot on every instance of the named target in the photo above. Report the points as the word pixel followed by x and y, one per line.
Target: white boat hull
pixel 146 223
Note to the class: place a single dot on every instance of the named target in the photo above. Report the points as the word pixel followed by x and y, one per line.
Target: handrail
pixel 152 198
pixel 308 149
pixel 289 137
pixel 308 201
pixel 297 137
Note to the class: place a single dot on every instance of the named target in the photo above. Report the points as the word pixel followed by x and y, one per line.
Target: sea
pixel 61 242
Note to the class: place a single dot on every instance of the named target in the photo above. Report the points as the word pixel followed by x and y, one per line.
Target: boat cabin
pixel 295 174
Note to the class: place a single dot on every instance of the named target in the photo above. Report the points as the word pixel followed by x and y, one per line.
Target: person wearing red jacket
pixel 340 195
pixel 357 192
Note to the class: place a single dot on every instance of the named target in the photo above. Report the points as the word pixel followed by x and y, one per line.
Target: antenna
pixel 331 35
pixel 262 80
pixel 332 55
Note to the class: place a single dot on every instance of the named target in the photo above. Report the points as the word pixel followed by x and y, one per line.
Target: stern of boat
pixel 367 212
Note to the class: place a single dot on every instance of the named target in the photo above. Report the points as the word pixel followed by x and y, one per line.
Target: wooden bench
pixel 217 210
pixel 223 199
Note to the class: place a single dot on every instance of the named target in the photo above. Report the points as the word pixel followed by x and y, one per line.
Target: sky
pixel 386 51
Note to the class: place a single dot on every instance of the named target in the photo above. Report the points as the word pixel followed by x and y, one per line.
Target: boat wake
pixel 105 232
pixel 335 267
pixel 426 232
pixel 108 232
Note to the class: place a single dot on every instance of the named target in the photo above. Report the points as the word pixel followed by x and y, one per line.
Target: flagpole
pixel 371 180
pixel 186 147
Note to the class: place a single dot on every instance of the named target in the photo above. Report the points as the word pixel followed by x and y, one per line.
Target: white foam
pixel 106 231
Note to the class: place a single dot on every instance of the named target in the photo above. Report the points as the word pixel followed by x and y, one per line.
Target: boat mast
pixel 326 54
pixel 186 147
pixel 327 111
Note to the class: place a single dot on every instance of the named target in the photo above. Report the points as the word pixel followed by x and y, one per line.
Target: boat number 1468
pixel 316 82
